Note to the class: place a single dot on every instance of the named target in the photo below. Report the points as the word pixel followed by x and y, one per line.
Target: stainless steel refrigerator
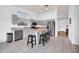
pixel 51 27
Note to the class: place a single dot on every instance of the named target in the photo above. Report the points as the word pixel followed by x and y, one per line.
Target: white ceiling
pixel 37 8
pixel 62 10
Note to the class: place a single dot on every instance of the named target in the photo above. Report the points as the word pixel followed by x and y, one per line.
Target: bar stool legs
pixel 42 40
pixel 32 40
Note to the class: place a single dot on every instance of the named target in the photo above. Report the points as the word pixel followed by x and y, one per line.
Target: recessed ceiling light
pixel 40 10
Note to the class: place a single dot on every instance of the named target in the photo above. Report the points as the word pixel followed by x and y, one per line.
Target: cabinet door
pixel 18 34
pixel 14 19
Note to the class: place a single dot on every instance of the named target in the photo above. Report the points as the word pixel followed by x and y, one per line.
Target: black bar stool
pixel 47 36
pixel 31 39
pixel 42 39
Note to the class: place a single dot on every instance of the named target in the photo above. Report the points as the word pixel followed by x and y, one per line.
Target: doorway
pixel 62 27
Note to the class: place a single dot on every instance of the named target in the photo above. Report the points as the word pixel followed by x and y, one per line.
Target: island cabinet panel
pixel 18 35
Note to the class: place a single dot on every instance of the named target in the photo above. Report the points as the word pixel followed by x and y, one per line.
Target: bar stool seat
pixel 31 39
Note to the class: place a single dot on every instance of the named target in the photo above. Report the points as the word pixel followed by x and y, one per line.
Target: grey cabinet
pixel 9 37
pixel 18 35
pixel 14 19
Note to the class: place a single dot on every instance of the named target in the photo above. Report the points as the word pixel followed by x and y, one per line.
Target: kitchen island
pixel 27 30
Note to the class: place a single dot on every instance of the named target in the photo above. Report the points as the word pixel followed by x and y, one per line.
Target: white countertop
pixel 19 27
pixel 15 27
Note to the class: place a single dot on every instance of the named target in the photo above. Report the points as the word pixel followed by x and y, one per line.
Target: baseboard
pixel 2 41
pixel 74 43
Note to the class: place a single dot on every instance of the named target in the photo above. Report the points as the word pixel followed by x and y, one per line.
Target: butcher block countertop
pixel 40 30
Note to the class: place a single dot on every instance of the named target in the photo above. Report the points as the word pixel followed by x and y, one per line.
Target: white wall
pixel 5 19
pixel 62 11
pixel 62 24
pixel 56 20
pixel 74 26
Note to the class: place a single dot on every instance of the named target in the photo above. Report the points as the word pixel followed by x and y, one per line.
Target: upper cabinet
pixel 19 20
pixel 14 19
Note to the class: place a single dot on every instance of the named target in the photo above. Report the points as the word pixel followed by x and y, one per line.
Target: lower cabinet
pixel 9 37
pixel 18 35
